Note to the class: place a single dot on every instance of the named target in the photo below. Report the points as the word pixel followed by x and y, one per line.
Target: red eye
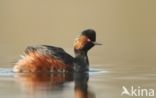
pixel 88 40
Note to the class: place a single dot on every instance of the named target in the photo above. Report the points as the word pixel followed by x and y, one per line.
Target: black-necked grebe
pixel 46 58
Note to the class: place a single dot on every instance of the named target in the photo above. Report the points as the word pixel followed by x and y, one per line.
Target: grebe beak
pixel 96 43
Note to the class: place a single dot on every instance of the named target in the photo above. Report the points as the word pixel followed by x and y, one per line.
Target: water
pixel 126 28
pixel 98 83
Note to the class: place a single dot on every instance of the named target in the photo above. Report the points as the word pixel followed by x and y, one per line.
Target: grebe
pixel 46 58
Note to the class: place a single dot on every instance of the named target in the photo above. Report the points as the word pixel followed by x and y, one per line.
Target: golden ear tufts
pixel 80 42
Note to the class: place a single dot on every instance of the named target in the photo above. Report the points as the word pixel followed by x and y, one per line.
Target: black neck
pixel 81 61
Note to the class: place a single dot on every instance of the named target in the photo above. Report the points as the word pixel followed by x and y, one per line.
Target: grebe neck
pixel 81 62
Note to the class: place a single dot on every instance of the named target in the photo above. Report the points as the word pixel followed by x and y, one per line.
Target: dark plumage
pixel 56 52
pixel 46 58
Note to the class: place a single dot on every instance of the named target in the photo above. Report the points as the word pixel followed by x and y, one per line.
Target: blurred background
pixel 126 28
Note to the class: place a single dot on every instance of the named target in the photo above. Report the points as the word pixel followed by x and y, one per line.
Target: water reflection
pixel 81 86
pixel 34 83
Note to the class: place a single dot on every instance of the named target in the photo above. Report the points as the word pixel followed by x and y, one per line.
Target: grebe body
pixel 46 58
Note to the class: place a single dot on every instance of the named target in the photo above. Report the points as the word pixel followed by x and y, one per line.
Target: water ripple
pixel 7 72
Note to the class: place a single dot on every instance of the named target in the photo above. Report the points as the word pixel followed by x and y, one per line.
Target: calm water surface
pixel 101 82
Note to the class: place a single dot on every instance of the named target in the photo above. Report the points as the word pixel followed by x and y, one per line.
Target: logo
pixel 137 91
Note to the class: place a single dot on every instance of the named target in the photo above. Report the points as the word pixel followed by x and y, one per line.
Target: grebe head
pixel 82 44
pixel 86 41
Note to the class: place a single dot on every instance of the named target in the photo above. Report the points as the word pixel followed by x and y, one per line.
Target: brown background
pixel 127 28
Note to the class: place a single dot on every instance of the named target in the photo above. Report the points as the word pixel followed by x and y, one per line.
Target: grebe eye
pixel 88 40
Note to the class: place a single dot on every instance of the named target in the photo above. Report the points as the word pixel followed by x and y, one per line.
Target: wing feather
pixel 53 51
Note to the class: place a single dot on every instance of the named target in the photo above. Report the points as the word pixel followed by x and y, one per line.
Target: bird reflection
pixel 35 82
pixel 81 86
